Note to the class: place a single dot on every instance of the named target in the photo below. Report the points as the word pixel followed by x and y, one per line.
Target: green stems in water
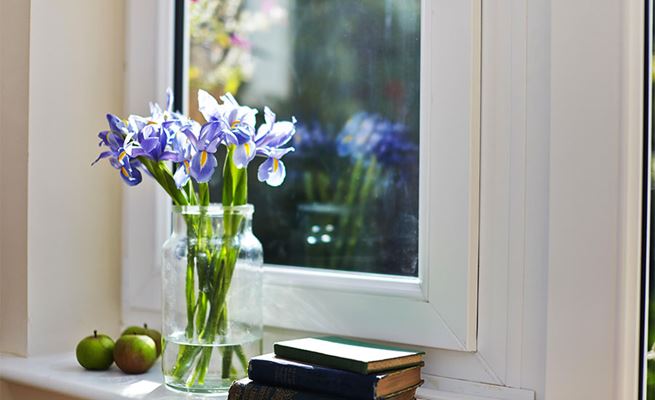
pixel 212 269
pixel 209 269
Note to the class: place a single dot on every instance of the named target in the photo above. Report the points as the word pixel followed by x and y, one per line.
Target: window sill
pixel 60 373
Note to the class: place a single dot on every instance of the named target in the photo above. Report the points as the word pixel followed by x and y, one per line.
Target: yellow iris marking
pixel 186 166
pixel 203 159
pixel 121 156
pixel 275 164
pixel 347 139
pixel 151 123
pixel 124 172
pixel 235 123
pixel 247 146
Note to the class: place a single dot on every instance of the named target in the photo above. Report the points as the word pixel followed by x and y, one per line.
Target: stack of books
pixel 331 368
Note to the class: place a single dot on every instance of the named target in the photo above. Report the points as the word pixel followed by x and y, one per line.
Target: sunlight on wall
pixel 74 212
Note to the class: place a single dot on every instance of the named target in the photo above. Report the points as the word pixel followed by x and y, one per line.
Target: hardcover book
pixel 246 389
pixel 346 354
pixel 275 371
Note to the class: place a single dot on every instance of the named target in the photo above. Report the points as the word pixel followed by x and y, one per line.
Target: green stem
pixel 191 193
pixel 227 362
pixel 351 195
pixel 203 194
pixel 359 215
pixel 163 176
pixel 215 272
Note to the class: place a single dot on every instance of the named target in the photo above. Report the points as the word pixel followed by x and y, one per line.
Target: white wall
pixel 74 212
pixel 14 87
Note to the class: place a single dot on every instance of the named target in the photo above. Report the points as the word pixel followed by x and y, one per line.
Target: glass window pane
pixel 349 72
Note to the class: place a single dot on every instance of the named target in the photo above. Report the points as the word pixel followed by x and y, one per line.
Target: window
pixel 349 71
pixel 437 304
pixel 533 215
pixel 376 186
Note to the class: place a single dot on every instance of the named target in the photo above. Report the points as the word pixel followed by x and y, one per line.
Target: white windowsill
pixel 62 374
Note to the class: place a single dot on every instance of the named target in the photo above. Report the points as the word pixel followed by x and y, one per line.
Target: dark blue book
pixel 274 371
pixel 246 389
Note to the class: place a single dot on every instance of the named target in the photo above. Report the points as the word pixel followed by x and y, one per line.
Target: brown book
pixel 271 370
pixel 246 389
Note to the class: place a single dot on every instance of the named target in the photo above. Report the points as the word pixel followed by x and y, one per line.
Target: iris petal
pixel 208 106
pixel 281 133
pixel 278 173
pixel 210 134
pixel 272 171
pixel 202 166
pixel 181 175
pixel 269 116
pixel 192 132
pixel 102 155
pixel 264 170
pixel 149 144
pixel 116 124
pixel 169 100
pixel 243 154
pixel 131 176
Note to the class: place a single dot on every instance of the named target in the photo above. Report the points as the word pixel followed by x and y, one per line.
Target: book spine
pixel 256 391
pixel 313 378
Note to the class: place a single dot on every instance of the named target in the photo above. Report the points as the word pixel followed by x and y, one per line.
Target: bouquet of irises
pixel 181 155
pixel 149 143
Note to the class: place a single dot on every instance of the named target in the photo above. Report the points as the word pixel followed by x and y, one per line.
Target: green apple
pixel 135 330
pixel 155 335
pixel 135 354
pixel 95 352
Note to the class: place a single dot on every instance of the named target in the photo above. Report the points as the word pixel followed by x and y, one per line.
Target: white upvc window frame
pixel 483 360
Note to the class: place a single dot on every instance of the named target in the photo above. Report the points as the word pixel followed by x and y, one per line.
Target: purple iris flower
pixel 154 142
pixel 237 115
pixel 311 138
pixel 117 125
pixel 231 123
pixel 245 148
pixel 118 157
pixel 226 121
pixel 271 136
pixel 182 174
pixel 155 137
pixel 202 146
pixel 272 171
pixel 274 134
pixel 367 135
pixel 185 151
pixel 359 135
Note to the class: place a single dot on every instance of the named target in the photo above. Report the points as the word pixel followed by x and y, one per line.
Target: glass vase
pixel 212 298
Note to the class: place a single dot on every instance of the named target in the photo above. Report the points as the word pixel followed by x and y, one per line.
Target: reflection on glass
pixel 349 71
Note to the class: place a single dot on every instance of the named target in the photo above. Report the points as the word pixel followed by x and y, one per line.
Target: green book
pixel 347 354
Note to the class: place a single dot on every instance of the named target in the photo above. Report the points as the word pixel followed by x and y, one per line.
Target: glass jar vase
pixel 212 298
